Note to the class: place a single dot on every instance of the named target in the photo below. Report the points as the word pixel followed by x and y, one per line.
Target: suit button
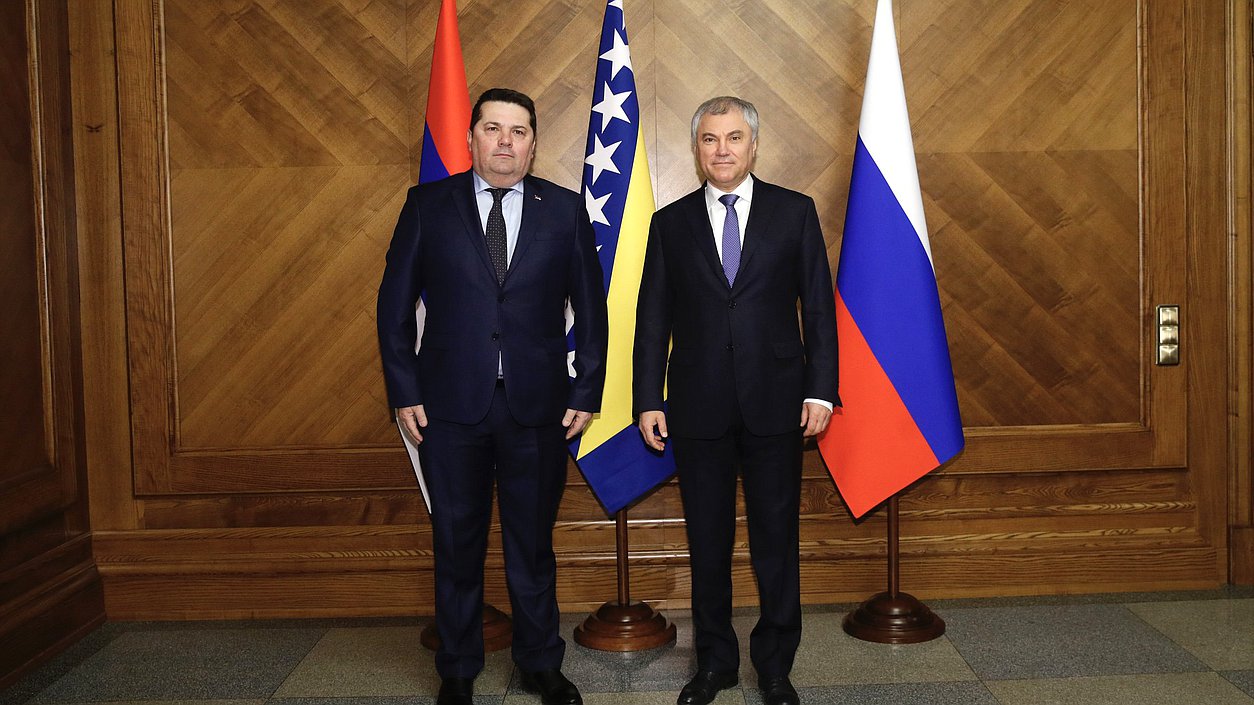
pixel 500 299
pixel 731 304
pixel 496 336
pixel 731 347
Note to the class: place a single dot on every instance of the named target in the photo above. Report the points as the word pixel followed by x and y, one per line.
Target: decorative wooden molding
pixel 48 603
pixel 1242 556
pixel 1240 120
pixel 50 593
pixel 221 574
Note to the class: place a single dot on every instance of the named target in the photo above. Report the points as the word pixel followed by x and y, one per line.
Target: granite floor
pixel 1147 649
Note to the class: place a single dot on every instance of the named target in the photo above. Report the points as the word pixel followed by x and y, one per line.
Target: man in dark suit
pixel 725 269
pixel 495 254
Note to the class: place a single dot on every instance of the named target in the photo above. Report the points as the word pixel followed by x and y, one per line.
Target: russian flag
pixel 900 415
pixel 444 148
pixel 618 195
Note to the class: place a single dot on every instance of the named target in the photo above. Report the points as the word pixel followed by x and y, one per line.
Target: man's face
pixel 502 143
pixel 725 149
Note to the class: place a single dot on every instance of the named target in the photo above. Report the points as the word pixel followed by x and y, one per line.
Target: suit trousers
pixel 770 467
pixel 528 464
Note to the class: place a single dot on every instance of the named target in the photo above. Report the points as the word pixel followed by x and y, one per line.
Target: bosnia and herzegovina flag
pixel 900 418
pixel 444 147
pixel 618 195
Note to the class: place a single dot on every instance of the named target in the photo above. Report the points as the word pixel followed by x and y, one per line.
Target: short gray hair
pixel 721 106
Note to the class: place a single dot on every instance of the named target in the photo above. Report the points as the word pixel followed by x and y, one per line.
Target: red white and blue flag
pixel 618 195
pixel 444 147
pixel 900 417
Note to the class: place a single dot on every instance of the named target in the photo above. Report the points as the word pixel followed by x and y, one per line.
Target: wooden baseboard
pixel 49 614
pixel 1241 555
pixel 259 573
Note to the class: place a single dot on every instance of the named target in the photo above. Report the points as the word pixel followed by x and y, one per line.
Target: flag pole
pixel 894 617
pixel 624 625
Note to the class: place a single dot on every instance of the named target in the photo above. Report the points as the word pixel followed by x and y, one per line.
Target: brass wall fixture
pixel 1169 335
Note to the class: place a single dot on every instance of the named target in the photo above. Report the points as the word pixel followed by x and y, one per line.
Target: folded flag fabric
pixel 618 195
pixel 444 148
pixel 900 416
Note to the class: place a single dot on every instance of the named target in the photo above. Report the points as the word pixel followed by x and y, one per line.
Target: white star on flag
pixel 602 158
pixel 611 106
pixel 619 55
pixel 596 207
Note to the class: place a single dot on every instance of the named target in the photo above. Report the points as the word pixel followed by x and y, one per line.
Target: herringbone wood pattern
pixel 1060 224
pixel 295 127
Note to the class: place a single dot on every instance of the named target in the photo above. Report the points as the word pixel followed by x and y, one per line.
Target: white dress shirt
pixel 718 212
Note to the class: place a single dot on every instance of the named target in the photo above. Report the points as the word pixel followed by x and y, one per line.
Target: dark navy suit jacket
pixel 438 250
pixel 736 347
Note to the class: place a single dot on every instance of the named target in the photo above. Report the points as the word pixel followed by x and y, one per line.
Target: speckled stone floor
pixel 1144 648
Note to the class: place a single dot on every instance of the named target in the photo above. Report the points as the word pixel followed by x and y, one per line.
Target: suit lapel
pixel 702 233
pixel 759 219
pixel 530 218
pixel 464 201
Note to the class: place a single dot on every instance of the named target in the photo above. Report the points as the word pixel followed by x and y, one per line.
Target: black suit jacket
pixel 438 250
pixel 742 345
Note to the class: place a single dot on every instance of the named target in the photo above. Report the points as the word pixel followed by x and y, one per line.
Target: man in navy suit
pixel 495 254
pixel 725 270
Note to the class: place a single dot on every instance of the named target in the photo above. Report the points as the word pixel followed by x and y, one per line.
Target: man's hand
pixel 814 418
pixel 412 419
pixel 574 421
pixel 653 428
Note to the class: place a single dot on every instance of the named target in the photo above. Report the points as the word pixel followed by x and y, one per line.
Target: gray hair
pixel 721 106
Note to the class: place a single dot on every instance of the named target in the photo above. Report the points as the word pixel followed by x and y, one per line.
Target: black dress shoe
pixel 553 687
pixel 778 691
pixel 456 691
pixel 704 687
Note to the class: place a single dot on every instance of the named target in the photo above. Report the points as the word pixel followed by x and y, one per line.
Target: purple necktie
pixel 731 238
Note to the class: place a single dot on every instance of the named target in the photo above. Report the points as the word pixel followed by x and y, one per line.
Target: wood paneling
pixel 102 280
pixel 50 592
pixel 1066 151
pixel 960 535
pixel 24 445
pixel 1241 297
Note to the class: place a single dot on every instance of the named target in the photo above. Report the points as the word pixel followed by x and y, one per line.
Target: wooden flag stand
pixel 498 631
pixel 893 617
pixel 624 625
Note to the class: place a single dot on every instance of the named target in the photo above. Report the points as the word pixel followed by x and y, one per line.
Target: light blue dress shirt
pixel 511 209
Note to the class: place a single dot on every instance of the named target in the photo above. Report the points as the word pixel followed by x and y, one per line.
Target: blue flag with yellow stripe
pixel 618 195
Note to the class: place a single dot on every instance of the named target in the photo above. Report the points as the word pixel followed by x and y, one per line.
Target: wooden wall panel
pixel 1208 430
pixel 264 147
pixel 24 445
pixel 1026 118
pixel 50 592
pixel 1241 302
pixel 1036 219
pixel 289 156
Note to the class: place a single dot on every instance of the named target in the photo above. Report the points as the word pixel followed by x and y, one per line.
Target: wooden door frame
pixel 1241 295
